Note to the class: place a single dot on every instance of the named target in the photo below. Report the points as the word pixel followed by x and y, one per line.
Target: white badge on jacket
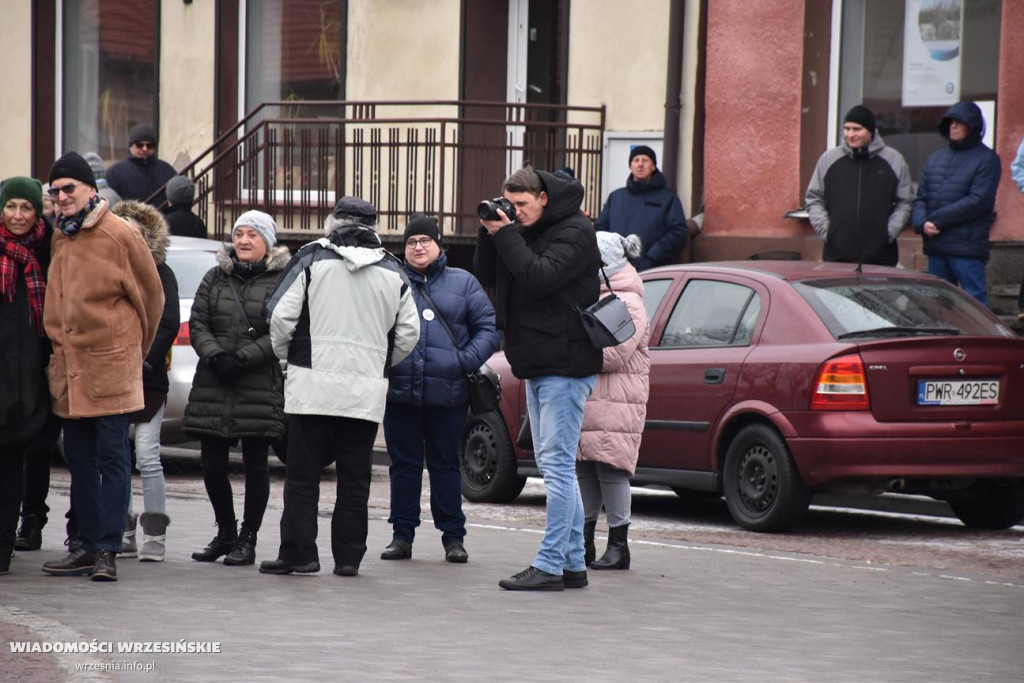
pixel 428 314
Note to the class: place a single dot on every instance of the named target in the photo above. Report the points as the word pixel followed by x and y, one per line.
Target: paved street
pixel 687 610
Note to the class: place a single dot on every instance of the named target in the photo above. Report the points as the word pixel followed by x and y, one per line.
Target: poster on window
pixel 931 52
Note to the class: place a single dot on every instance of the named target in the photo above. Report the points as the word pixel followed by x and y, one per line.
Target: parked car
pixel 190 258
pixel 773 380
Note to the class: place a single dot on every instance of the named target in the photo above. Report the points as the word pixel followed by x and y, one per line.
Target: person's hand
pixel 494 226
pixel 930 229
pixel 227 366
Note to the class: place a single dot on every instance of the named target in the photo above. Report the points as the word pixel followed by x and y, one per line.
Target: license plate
pixel 957 392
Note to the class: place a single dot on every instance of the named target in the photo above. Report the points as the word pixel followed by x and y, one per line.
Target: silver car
pixel 190 258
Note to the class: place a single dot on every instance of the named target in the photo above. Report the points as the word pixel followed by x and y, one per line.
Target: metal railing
pixel 293 160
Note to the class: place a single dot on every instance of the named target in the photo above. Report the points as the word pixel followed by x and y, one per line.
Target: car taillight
pixel 841 385
pixel 183 338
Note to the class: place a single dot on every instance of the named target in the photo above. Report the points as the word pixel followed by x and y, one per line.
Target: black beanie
pixel 645 150
pixel 420 224
pixel 142 132
pixel 73 166
pixel 862 116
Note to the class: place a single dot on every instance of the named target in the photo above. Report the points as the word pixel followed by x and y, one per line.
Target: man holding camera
pixel 539 252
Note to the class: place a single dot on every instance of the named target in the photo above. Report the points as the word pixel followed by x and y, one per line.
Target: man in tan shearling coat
pixel 102 309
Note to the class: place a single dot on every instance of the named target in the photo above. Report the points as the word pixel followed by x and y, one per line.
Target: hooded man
pixel 341 317
pixel 648 208
pixel 543 263
pixel 859 195
pixel 142 173
pixel 955 204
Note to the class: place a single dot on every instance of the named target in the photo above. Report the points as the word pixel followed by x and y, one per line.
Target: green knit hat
pixel 20 187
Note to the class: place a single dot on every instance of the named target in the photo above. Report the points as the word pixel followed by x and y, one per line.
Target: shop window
pixel 109 73
pixel 908 85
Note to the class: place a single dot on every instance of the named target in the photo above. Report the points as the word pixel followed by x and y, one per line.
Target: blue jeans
pixel 147 459
pixel 415 434
pixel 969 273
pixel 100 462
pixel 555 404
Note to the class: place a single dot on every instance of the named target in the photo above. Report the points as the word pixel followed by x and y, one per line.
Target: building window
pixel 294 55
pixel 109 73
pixel 909 88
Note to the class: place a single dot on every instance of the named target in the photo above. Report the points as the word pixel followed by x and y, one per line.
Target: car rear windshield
pixel 189 268
pixel 875 307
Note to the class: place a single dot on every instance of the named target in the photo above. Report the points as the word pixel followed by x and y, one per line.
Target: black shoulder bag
pixel 607 322
pixel 484 391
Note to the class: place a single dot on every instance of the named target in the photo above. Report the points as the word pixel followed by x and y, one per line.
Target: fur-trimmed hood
pixel 151 224
pixel 277 258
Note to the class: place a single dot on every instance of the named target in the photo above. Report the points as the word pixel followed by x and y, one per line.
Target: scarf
pixel 17 253
pixel 69 225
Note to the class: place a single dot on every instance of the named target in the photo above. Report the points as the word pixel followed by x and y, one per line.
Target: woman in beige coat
pixel 613 419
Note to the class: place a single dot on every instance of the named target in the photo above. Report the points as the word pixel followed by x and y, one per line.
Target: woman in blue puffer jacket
pixel 428 392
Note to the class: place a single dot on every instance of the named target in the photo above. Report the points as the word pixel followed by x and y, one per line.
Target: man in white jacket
pixel 341 317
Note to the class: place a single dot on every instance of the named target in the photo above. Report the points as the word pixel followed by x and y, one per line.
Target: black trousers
pixel 213 456
pixel 37 481
pixel 315 441
pixel 11 460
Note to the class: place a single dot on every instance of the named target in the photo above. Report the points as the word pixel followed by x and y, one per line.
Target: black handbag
pixel 484 387
pixel 607 322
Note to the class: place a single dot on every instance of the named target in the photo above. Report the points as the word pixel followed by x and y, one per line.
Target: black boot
pixel 589 550
pixel 30 535
pixel 222 543
pixel 244 551
pixel 616 556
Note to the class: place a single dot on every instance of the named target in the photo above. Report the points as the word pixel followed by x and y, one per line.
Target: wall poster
pixel 931 52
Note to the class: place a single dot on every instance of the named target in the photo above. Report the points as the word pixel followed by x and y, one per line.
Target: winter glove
pixel 228 367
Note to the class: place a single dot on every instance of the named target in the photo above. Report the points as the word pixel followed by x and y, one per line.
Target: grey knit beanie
pixel 181 190
pixel 616 250
pixel 261 223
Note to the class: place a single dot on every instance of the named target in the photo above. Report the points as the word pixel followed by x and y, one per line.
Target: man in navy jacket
pixel 954 207
pixel 648 208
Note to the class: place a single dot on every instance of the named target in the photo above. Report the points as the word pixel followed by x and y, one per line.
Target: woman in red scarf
pixel 26 421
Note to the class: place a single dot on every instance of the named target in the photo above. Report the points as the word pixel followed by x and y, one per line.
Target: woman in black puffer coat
pixel 237 392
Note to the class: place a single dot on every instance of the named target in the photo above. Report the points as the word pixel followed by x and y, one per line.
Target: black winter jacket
pixel 135 178
pixel 252 405
pixel 184 223
pixel 26 419
pixel 540 274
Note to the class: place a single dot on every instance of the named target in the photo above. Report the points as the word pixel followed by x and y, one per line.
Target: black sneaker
pixel 281 567
pixel 346 570
pixel 533 579
pixel 104 570
pixel 574 579
pixel 78 562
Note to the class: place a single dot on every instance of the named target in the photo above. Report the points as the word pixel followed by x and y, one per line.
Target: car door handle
pixel 714 376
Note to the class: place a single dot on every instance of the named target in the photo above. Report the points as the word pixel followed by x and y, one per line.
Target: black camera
pixel 488 209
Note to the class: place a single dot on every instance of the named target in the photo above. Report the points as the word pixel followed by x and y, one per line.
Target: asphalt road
pixel 852 595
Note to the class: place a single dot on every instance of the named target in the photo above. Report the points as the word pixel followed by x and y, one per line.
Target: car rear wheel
pixel 763 488
pixel 991 506
pixel 487 461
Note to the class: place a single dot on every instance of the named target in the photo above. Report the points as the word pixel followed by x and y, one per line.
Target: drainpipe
pixel 673 92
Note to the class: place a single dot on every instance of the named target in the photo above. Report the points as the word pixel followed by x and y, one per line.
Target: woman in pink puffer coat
pixel 613 420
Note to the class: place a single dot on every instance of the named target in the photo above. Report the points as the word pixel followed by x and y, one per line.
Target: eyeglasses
pixel 146 145
pixel 68 189
pixel 414 242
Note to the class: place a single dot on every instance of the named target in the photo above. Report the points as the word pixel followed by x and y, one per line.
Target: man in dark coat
pixel 181 192
pixel 142 173
pixel 648 208
pixel 954 207
pixel 544 264
pixel 859 195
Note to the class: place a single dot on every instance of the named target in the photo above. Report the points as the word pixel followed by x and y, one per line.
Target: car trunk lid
pixel 945 378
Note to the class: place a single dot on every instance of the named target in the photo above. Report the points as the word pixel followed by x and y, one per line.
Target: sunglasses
pixel 145 145
pixel 68 189
pixel 414 242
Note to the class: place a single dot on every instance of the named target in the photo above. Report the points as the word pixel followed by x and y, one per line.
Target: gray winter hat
pixel 99 169
pixel 261 223
pixel 616 250
pixel 181 190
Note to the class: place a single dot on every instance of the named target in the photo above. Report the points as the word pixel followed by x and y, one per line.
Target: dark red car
pixel 772 380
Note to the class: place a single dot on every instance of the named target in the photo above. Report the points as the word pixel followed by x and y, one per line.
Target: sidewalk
pixel 683 612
